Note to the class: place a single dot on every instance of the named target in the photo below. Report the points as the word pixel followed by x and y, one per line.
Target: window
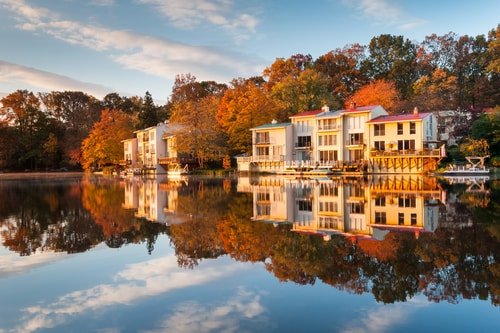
pixel 263 151
pixel 380 218
pixel 379 145
pixel 412 128
pixel 327 140
pixel 379 129
pixel 413 219
pixel 401 218
pixel 328 155
pixel 356 208
pixel 406 144
pixel 407 202
pixel 263 196
pixel 400 129
pixel 328 207
pixel 262 137
pixel 326 190
pixel 380 201
pixel 304 205
pixel 355 139
pixel 304 141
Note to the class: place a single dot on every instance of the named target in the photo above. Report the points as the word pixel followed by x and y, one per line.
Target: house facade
pixel 358 139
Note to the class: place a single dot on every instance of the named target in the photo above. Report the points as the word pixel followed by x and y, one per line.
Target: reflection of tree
pixel 206 202
pixel 39 215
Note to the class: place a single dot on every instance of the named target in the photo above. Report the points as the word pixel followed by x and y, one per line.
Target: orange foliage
pixel 379 92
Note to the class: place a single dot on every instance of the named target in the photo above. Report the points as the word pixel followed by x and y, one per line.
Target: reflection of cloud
pixel 13 73
pixel 385 12
pixel 137 281
pixel 383 317
pixel 151 55
pixel 194 317
pixel 188 14
pixel 12 263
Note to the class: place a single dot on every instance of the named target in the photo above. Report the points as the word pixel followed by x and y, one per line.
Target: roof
pixel 271 125
pixel 328 114
pixel 307 113
pixel 399 117
pixel 361 108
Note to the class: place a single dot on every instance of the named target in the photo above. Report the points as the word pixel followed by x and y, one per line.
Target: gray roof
pixel 271 125
pixel 329 114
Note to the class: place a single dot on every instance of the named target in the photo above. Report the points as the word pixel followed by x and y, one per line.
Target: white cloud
pixel 147 54
pixel 137 281
pixel 385 318
pixel 21 76
pixel 385 12
pixel 226 317
pixel 189 14
pixel 13 263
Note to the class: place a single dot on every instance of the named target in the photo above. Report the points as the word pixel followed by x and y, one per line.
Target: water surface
pixel 260 254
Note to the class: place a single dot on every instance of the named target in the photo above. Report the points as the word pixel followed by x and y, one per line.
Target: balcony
pixel 268 158
pixel 306 145
pixel 125 162
pixel 355 143
pixel 334 127
pixel 263 141
pixel 406 152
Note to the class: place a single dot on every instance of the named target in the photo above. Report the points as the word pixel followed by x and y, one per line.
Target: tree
pixel 475 148
pixel 437 52
pixel 379 92
pixel 148 114
pixel 200 134
pixel 436 91
pixel 281 69
pixel 343 68
pixel 78 112
pixel 103 145
pixel 393 58
pixel 494 51
pixel 242 107
pixel 306 92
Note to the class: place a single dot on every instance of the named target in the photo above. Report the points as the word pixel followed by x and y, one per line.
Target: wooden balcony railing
pixel 406 152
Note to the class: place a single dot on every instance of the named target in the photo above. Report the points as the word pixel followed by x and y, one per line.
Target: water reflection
pixel 393 236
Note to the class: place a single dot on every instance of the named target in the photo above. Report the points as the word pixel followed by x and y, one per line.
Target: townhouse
pixel 357 139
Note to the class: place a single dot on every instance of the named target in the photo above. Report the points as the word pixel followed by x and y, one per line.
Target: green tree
pixel 148 115
pixel 435 92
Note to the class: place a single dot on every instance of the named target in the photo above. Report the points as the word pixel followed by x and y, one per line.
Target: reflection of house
pixel 153 199
pixel 351 208
pixel 346 140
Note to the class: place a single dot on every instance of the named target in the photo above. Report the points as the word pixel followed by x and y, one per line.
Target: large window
pixel 380 201
pixel 413 218
pixel 263 151
pixel 355 139
pixel 406 144
pixel 304 205
pixel 407 202
pixel 379 129
pixel 329 206
pixel 400 129
pixel 304 141
pixel 401 218
pixel 328 155
pixel 412 128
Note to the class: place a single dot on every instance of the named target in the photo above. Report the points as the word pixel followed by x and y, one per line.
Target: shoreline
pixel 43 175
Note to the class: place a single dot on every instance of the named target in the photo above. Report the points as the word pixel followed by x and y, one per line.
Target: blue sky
pixel 131 46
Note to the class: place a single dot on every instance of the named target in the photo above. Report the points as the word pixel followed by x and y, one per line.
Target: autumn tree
pixel 103 145
pixel 379 92
pixel 200 134
pixel 435 92
pixel 282 69
pixel 343 69
pixel 243 106
pixel 473 147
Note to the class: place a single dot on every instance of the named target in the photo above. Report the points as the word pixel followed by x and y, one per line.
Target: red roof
pixel 307 113
pixel 360 108
pixel 399 117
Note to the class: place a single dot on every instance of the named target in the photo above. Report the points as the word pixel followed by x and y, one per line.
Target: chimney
pixel 415 111
pixel 325 108
pixel 353 105
pixel 274 121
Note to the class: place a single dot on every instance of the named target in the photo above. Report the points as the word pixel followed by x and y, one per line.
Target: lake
pixel 394 253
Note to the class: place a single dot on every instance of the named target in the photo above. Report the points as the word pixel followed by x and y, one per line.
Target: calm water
pixel 383 254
